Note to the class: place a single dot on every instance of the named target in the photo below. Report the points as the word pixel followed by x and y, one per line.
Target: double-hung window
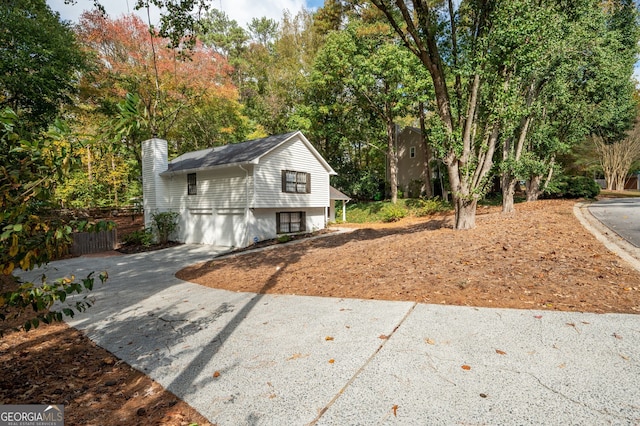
pixel 192 188
pixel 296 182
pixel 289 222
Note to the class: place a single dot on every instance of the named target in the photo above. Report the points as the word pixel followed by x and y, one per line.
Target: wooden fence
pixel 93 242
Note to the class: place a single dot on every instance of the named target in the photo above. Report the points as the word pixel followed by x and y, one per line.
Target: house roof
pixel 235 154
pixel 334 194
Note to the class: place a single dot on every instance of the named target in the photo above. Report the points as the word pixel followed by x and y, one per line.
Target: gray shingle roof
pixel 335 194
pixel 238 153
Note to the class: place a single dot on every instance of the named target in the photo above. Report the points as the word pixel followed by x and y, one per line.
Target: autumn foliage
pixel 133 55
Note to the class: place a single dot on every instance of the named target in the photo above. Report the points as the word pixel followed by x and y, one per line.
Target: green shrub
pixel 582 187
pixel 425 207
pixel 164 224
pixel 142 237
pixel 573 187
pixel 284 238
pixel 393 213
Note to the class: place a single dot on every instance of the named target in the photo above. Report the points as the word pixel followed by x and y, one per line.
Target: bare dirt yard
pixel 538 258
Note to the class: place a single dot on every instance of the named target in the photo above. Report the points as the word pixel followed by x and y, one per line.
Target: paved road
pixel 290 360
pixel 621 215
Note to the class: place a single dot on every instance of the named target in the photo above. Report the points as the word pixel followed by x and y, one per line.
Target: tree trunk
pixel 608 177
pixel 464 202
pixel 465 213
pixel 533 188
pixel 508 191
pixel 115 185
pixel 508 180
pixel 393 161
pixel 427 188
pixel 89 165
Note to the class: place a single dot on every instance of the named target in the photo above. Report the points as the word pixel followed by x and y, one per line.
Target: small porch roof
pixel 334 194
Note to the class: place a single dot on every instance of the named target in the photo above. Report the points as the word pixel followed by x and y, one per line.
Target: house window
pixel 412 152
pixel 296 182
pixel 288 222
pixel 192 189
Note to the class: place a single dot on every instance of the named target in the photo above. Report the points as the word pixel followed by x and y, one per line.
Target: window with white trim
pixel 289 222
pixel 296 182
pixel 192 188
pixel 412 152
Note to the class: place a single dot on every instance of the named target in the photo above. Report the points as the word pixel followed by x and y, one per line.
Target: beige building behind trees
pixel 416 175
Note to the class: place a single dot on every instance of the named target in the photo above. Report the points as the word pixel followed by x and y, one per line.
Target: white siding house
pixel 238 194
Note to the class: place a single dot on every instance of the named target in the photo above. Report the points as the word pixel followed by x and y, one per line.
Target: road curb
pixel 606 236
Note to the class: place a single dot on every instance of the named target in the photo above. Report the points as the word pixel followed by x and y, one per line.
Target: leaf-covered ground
pixel 537 258
pixel 57 364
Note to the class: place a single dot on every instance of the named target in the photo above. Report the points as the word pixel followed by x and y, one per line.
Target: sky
pixel 240 10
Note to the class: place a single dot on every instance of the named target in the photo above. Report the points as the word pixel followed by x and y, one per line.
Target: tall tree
pixel 616 158
pixel 40 61
pixel 162 87
pixel 139 87
pixel 227 38
pixel 342 127
pixel 453 46
pixel 533 32
pixel 615 95
pixel 578 89
pixel 482 59
pixel 385 78
pixel 263 31
pixel 277 66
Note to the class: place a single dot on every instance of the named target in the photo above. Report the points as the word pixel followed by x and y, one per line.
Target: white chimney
pixel 154 192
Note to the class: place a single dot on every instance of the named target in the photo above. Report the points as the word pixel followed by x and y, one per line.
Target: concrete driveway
pixel 248 359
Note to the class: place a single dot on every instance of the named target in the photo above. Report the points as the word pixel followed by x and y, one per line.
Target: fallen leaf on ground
pixel 466 367
pixel 537 316
pixel 499 352
pixel 617 336
pixel 331 361
pixel 297 356
pixel 430 341
pixel 383 337
pixel 395 410
pixel 216 374
pixel 328 338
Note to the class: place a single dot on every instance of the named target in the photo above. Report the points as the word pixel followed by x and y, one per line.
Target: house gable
pixel 294 155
